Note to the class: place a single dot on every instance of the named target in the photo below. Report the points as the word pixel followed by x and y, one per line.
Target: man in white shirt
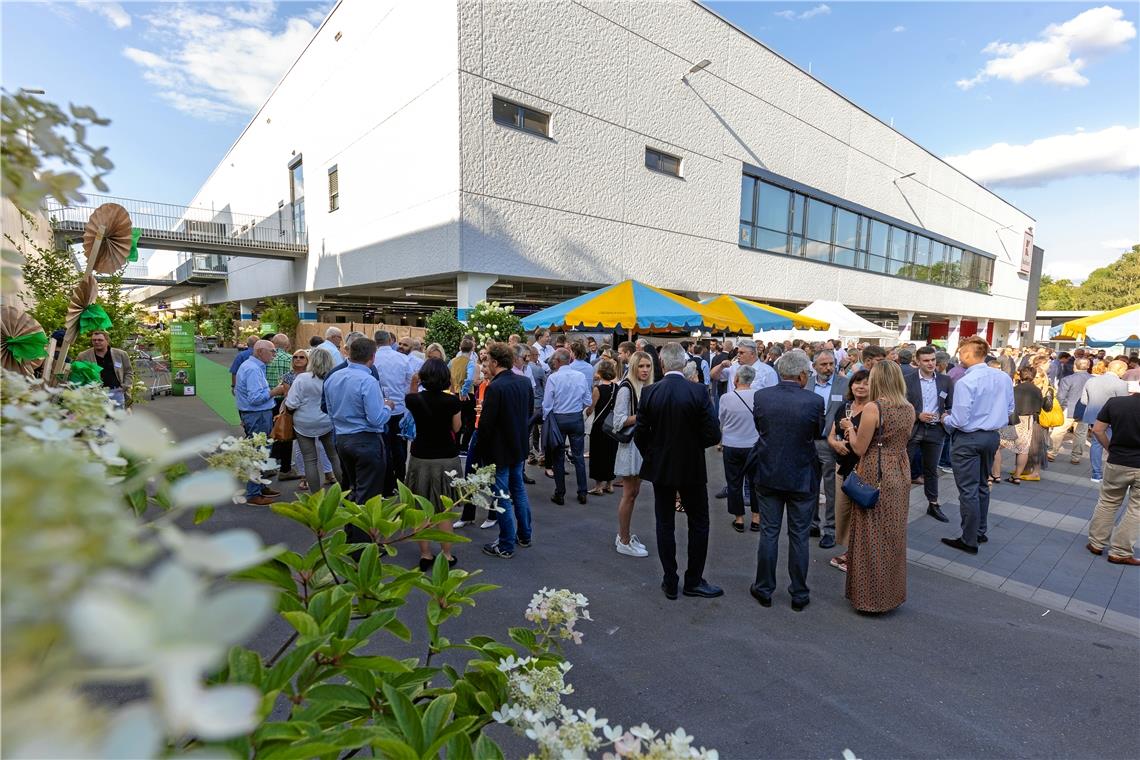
pixel 745 355
pixel 566 396
pixel 542 345
pixel 333 340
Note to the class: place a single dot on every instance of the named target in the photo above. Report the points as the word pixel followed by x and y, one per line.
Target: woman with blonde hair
pixel 876 556
pixel 627 463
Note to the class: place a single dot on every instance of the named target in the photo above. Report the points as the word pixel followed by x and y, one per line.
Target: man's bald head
pixel 264 350
pixel 250 341
pixel 1118 367
pixel 281 340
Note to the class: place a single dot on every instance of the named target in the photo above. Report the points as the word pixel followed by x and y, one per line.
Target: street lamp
pixel 695 68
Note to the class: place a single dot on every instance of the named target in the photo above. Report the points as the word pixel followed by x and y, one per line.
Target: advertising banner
pixel 182 359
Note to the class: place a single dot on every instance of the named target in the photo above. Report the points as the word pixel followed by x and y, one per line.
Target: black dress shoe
pixel 935 511
pixel 765 601
pixel 582 498
pixel 722 493
pixel 670 591
pixel 529 480
pixel 799 606
pixel 558 499
pixel 827 542
pixel 982 538
pixel 814 532
pixel 705 589
pixel 959 544
pixel 738 526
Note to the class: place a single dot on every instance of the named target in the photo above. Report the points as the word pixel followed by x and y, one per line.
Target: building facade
pixel 439 153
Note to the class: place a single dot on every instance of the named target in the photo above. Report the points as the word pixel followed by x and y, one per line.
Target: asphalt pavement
pixel 961 670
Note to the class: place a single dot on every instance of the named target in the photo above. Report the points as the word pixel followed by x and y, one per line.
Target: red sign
pixel 1027 251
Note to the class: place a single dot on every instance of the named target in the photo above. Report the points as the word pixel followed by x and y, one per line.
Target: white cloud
pixel 1077 269
pixel 217 62
pixel 1060 54
pixel 113 12
pixel 1118 244
pixel 899 29
pixel 1115 150
pixel 819 10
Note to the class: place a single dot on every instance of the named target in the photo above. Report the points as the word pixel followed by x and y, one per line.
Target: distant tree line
pixel 1109 287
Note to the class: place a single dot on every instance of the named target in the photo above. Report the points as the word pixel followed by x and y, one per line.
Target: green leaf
pixel 378 663
pixel 281 673
pixel 524 636
pixel 392 749
pixel 459 748
pixel 202 514
pixel 407 717
pixel 327 510
pixel 289 731
pixel 245 666
pixel 436 715
pixel 339 694
pixel 274 572
pixel 435 534
pixel 485 749
pixel 303 622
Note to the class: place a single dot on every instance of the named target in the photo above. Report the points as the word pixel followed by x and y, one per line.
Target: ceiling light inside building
pixel 407 303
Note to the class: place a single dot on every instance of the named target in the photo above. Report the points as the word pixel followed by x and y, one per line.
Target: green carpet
pixel 214 388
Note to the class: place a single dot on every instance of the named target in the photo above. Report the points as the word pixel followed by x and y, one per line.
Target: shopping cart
pixel 154 371
pixel 207 344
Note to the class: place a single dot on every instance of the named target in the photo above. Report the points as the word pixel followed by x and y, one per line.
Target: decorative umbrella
pixel 633 305
pixel 762 316
pixel 23 343
pixel 115 224
pixel 1108 328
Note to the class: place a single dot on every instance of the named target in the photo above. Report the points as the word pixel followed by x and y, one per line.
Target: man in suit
pixel 789 419
pixel 931 394
pixel 502 441
pixel 1069 392
pixel 114 367
pixel 830 386
pixel 675 424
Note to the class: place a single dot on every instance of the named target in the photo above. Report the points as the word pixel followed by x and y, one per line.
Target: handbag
pixel 625 435
pixel 1054 416
pixel 282 426
pixel 552 435
pixel 862 493
pixel 408 427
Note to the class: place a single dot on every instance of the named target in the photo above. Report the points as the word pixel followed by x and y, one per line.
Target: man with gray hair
pixel 675 424
pixel 745 355
pixel 1069 392
pixel 789 419
pixel 333 341
pixel 830 386
pixel 566 396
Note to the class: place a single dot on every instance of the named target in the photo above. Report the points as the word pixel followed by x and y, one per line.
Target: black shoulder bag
pixel 862 493
pixel 625 435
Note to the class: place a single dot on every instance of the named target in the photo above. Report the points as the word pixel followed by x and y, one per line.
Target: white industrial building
pixel 436 152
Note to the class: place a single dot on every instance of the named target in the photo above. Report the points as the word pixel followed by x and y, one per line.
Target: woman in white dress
pixel 627 465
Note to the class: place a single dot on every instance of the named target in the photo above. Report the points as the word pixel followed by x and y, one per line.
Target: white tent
pixel 844 324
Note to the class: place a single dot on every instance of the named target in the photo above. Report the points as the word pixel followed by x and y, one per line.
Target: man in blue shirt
pixel 240 358
pixel 255 405
pixel 983 402
pixel 566 396
pixel 359 416
pixel 831 387
pixel 395 382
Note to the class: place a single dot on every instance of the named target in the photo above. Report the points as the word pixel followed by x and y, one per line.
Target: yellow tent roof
pixel 1078 328
pixel 755 313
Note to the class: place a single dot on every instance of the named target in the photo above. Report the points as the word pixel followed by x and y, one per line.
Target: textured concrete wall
pixel 582 206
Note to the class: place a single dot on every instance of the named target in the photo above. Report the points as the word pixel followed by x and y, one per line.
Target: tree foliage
pixel 49 274
pixel 445 329
pixel 282 316
pixel 1108 287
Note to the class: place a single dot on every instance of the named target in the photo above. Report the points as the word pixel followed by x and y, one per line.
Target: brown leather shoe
pixel 259 501
pixel 270 492
pixel 1124 560
pixel 1094 550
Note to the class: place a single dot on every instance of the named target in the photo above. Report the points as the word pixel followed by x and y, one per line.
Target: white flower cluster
pixel 488 321
pixel 557 611
pixel 245 458
pixel 478 488
pixel 75 415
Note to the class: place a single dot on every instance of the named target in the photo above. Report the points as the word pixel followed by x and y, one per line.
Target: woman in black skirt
pixel 603 448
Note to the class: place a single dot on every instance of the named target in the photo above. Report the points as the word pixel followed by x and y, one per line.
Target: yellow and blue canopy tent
pixel 1108 328
pixel 638 307
pixel 762 316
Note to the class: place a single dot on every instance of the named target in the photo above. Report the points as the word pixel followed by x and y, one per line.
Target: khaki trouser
pixel 1117 480
pixel 1080 432
pixel 843 507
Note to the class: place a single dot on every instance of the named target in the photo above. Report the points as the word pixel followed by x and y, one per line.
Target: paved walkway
pixel 1036 550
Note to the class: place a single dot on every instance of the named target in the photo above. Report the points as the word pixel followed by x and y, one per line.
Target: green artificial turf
pixel 213 387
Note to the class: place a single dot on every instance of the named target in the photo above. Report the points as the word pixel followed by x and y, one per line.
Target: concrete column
pixel 983 325
pixel 306 310
pixel 1014 335
pixel 954 335
pixel 470 289
pixel 905 318
pixel 246 310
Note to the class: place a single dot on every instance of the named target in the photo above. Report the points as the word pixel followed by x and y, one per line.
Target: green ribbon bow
pixel 28 347
pixel 136 233
pixel 94 317
pixel 84 373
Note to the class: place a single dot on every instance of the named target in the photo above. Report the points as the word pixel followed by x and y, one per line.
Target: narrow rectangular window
pixel 520 117
pixel 662 162
pixel 334 189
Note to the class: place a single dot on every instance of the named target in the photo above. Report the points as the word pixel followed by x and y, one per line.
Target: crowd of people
pixel 804 429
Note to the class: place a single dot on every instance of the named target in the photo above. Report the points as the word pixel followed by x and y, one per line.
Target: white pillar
pixel 470 289
pixel 306 310
pixel 1014 338
pixel 983 326
pixel 246 309
pixel 954 335
pixel 905 318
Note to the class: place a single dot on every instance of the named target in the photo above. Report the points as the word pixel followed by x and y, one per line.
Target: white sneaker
pixel 460 524
pixel 488 523
pixel 629 549
pixel 1095 480
pixel 635 541
pixel 947 470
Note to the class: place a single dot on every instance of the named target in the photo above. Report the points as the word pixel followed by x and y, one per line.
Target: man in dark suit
pixel 675 424
pixel 830 386
pixel 503 441
pixel 789 419
pixel 906 357
pixel 930 393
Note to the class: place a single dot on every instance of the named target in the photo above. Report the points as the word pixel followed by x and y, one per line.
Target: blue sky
pixel 1041 101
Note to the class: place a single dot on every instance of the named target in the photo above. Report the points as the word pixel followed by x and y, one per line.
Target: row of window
pixel 777 220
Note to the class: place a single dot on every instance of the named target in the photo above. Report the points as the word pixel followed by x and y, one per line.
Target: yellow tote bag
pixel 1054 416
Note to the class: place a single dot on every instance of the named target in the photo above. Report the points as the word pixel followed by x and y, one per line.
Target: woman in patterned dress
pixel 876 557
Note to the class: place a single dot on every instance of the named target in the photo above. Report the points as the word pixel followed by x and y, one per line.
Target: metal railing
pixel 167 222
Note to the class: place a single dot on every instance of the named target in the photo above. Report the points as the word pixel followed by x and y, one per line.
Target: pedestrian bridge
pixel 188 229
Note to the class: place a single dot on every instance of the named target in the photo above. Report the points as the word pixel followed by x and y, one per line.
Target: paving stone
pixel 959 570
pixel 1120 622
pixel 988 579
pixel 1016 588
pixel 1084 609
pixel 1050 599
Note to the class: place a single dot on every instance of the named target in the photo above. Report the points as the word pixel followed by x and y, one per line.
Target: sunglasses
pixel 300 356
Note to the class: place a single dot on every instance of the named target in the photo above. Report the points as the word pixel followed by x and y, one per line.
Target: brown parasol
pixel 15 323
pixel 106 243
pixel 84 294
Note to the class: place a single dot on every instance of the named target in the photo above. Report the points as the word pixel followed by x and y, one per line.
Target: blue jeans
pixel 574 428
pixel 944 460
pixel 972 455
pixel 252 423
pixel 510 480
pixel 1096 456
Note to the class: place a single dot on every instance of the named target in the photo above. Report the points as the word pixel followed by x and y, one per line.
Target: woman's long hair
pixel 887 383
pixel 631 371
